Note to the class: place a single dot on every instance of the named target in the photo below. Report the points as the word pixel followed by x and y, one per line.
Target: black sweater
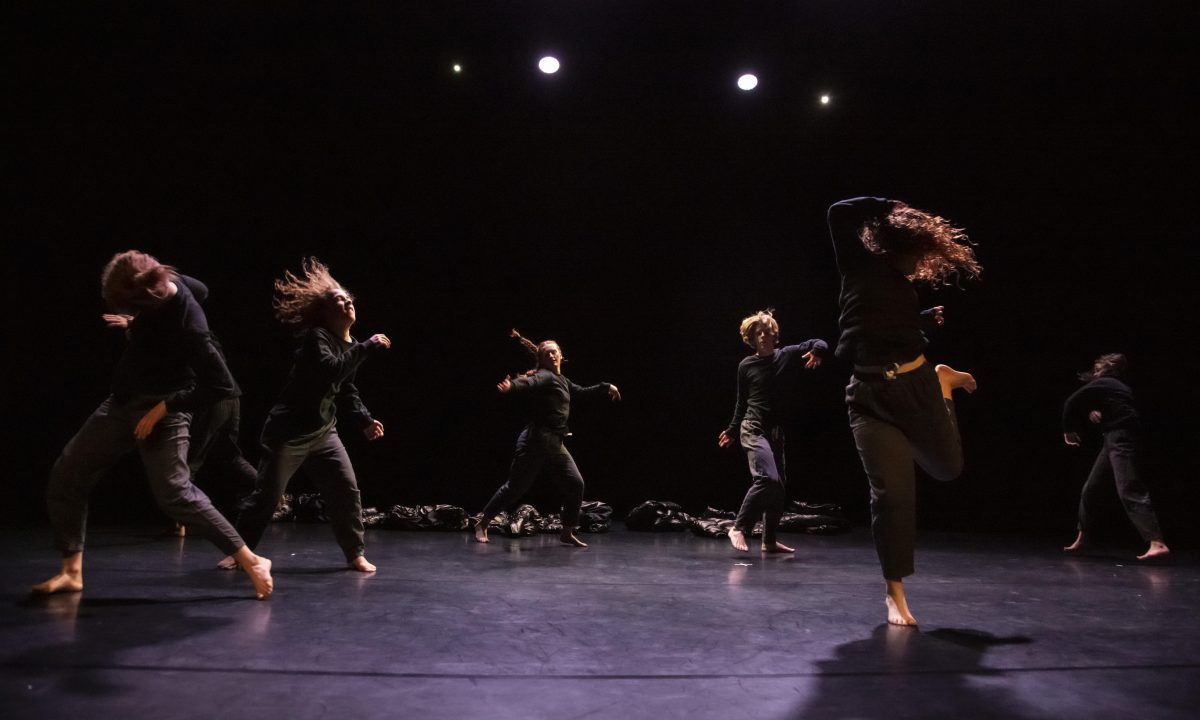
pixel 548 395
pixel 765 385
pixel 171 353
pixel 880 320
pixel 322 377
pixel 1110 396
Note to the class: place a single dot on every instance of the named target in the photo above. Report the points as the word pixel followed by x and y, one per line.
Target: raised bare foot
pixel 360 564
pixel 777 547
pixel 259 570
pixel 737 539
pixel 1157 549
pixel 568 538
pixel 1079 545
pixel 951 379
pixel 227 563
pixel 481 526
pixel 61 583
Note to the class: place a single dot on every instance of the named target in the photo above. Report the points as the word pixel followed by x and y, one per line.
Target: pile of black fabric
pixel 658 516
pixel 426 517
pixel 309 508
pixel 283 511
pixel 594 517
pixel 814 519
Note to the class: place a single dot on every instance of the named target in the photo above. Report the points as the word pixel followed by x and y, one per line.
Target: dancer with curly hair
pixel 168 370
pixel 1107 402
pixel 900 407
pixel 301 429
pixel 764 379
pixel 540 446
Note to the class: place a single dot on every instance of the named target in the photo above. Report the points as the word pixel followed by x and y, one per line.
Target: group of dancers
pixel 175 402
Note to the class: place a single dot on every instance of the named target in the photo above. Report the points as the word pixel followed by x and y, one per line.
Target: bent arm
pixel 320 352
pixel 739 407
pixel 846 219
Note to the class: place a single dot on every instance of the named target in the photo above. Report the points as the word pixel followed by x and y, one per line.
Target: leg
pixel 951 379
pixel 765 498
pixel 219 454
pixel 526 464
pixel 930 422
pixel 1122 449
pixel 334 477
pixel 1099 480
pixel 772 515
pixel 562 468
pixel 280 460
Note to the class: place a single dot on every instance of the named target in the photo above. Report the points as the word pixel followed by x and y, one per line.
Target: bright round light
pixel 747 82
pixel 548 65
pixel 456 68
pixel 824 99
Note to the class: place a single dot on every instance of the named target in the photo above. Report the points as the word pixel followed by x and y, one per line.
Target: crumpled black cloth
pixel 425 517
pixel 284 511
pixel 373 518
pixel 594 517
pixel 522 522
pixel 811 518
pixel 310 508
pixel 658 516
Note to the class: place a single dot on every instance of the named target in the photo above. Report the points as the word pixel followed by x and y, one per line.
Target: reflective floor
pixel 636 626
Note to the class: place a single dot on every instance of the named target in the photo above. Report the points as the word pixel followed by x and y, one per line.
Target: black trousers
pixel 1118 461
pixel 214 457
pixel 767 496
pixel 324 457
pixel 894 423
pixel 540 452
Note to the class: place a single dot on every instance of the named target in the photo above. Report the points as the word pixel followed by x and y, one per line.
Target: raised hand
pixel 505 385
pixel 812 360
pixel 379 339
pixel 374 431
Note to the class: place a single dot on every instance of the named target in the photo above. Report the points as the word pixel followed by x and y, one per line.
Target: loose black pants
pixel 1118 461
pixel 538 452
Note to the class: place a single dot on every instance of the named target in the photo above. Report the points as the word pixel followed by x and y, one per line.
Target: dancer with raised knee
pixel 169 369
pixel 1107 402
pixel 764 381
pixel 900 406
pixel 301 429
pixel 541 448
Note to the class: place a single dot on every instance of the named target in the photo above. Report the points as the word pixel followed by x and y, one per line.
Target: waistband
pixel 888 372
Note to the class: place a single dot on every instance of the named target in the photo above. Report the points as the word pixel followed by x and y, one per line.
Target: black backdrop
pixel 634 207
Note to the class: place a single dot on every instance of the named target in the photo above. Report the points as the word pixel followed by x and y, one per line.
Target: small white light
pixel 456 68
pixel 747 82
pixel 824 99
pixel 548 65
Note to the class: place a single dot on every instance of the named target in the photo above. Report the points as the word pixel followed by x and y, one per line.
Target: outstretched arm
pixel 604 387
pixel 333 365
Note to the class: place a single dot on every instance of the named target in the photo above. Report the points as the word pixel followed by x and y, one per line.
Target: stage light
pixel 456 68
pixel 747 82
pixel 548 65
pixel 824 99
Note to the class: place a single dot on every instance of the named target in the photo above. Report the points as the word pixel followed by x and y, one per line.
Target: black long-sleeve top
pixel 880 319
pixel 1110 396
pixel 548 395
pixel 321 380
pixel 765 385
pixel 172 353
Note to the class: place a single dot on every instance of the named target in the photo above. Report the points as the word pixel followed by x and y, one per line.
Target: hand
pixel 812 360
pixel 724 439
pixel 937 314
pixel 146 425
pixel 117 321
pixel 1095 417
pixel 374 431
pixel 505 385
pixel 1071 439
pixel 613 392
pixel 379 339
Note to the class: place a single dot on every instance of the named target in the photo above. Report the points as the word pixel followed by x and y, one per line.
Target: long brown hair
pixel 943 250
pixel 1107 365
pixel 300 300
pixel 133 280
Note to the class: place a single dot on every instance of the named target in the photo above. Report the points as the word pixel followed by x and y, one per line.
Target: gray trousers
pixel 767 496
pixel 214 453
pixel 539 451
pixel 324 458
pixel 104 438
pixel 894 423
pixel 1118 462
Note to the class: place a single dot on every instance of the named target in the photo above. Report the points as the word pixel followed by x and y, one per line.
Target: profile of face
pixel 340 308
pixel 765 339
pixel 550 357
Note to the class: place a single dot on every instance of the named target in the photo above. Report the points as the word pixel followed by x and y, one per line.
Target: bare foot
pixel 737 539
pixel 777 547
pixel 227 563
pixel 897 606
pixel 259 570
pixel 481 526
pixel 951 379
pixel 360 564
pixel 180 530
pixel 1080 544
pixel 568 538
pixel 61 583
pixel 1157 549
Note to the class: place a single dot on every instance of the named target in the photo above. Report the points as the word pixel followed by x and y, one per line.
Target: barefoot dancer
pixel 762 378
pixel 900 407
pixel 1108 402
pixel 168 369
pixel 540 446
pixel 302 428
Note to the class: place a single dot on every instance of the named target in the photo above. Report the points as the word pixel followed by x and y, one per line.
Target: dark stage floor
pixel 638 625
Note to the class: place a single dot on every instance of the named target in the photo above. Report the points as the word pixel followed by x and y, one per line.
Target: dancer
pixel 168 369
pixel 540 446
pixel 762 379
pixel 900 408
pixel 1107 401
pixel 301 429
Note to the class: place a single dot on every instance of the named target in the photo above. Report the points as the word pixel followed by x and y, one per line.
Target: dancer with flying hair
pixel 900 406
pixel 540 447
pixel 168 370
pixel 1107 402
pixel 765 379
pixel 301 429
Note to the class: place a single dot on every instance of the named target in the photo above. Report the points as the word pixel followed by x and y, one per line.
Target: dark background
pixel 635 207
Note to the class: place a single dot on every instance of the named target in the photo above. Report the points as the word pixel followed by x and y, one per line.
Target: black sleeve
pixel 199 290
pixel 846 219
pixel 739 408
pixel 525 383
pixel 350 403
pixel 816 346
pixel 1077 406
pixel 581 391
pixel 319 352
pixel 213 379
pixel 928 325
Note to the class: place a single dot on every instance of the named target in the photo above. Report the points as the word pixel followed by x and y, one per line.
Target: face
pixel 765 337
pixel 341 307
pixel 550 357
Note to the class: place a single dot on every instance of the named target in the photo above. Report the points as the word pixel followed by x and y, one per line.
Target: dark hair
pixel 133 281
pixel 1107 365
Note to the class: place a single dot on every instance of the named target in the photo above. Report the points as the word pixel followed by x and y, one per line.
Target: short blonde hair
pixel 749 327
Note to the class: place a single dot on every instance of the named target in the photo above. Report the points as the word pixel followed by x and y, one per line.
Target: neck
pixel 341 330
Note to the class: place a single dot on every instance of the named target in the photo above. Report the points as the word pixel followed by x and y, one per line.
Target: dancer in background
pixel 1107 401
pixel 762 379
pixel 900 407
pixel 169 368
pixel 301 429
pixel 540 446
